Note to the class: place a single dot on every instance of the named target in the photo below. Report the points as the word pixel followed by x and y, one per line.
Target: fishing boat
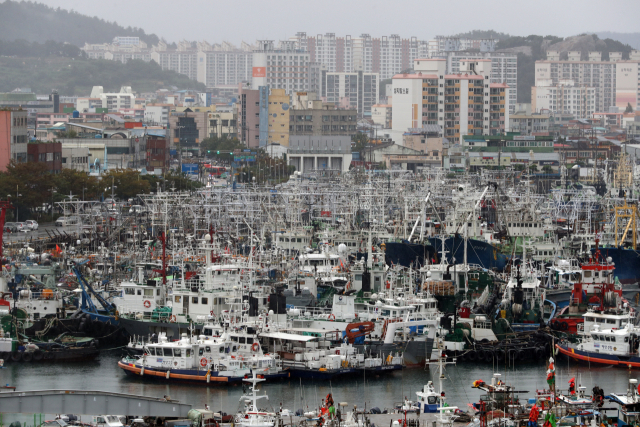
pixel 202 360
pixel 607 338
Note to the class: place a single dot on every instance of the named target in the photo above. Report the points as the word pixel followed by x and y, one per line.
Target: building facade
pixel 249 117
pixel 381 115
pixel 323 119
pixel 49 153
pixel 504 68
pixel 13 137
pixel 563 97
pixel 223 66
pixel 461 104
pixel 285 67
pixel 357 90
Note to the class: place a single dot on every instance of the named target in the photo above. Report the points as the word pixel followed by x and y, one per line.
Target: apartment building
pixel 224 64
pixel 357 90
pixel 455 44
pixel 461 104
pixel 563 97
pixel 595 73
pixel 386 55
pixel 285 67
pixel 157 114
pixel 122 49
pixel 183 59
pixel 13 136
pixel 504 68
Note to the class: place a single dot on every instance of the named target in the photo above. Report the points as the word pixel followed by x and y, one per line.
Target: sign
pixel 247 150
pixel 325 214
pixel 401 91
pixel 244 158
pixel 190 168
pixel 259 72
pixel 524 138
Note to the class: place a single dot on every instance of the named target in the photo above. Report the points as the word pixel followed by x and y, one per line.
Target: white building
pixel 183 60
pixel 285 68
pixel 461 104
pixel 563 97
pixel 357 90
pixel 616 81
pixel 114 101
pixel 381 115
pixel 310 153
pixel 157 114
pixel 224 64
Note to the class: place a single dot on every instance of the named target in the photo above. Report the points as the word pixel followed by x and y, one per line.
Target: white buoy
pixel 168 374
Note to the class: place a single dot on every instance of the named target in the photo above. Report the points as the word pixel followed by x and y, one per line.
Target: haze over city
pixel 249 20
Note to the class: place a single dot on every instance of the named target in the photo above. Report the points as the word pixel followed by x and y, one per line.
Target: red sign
pixel 325 214
pixel 259 72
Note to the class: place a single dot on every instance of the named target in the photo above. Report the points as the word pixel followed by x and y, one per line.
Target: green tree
pixel 360 141
pixel 221 148
pixel 127 183
pixel 70 181
pixel 533 168
pixel 547 169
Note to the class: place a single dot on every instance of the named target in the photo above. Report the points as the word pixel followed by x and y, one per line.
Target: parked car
pixel 10 227
pixel 32 224
pixel 22 227
pixel 66 220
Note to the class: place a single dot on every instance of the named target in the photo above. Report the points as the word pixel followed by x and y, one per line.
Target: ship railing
pixel 314 312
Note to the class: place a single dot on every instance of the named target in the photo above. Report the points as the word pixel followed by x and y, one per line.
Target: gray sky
pixel 249 20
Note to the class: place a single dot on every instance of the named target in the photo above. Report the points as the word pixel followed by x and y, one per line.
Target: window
pixel 204 300
pixel 177 352
pixel 166 352
pixel 177 298
pixel 152 351
pixel 194 300
pixel 129 291
pixel 148 292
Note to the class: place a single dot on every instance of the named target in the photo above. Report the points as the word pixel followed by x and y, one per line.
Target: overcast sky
pixel 249 20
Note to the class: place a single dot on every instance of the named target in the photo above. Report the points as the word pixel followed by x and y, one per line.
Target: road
pixel 40 233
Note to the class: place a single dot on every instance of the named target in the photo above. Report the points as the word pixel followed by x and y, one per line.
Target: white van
pixel 66 220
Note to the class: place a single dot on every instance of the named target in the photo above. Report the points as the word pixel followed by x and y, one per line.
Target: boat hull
pixel 188 375
pixel 414 353
pixel 599 358
pixel 329 374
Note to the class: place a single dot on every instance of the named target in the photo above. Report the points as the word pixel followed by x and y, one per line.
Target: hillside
pixel 36 22
pixel 76 76
pixel 534 48
pixel 632 39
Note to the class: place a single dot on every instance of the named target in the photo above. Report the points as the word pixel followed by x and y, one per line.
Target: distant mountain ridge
pixel 37 22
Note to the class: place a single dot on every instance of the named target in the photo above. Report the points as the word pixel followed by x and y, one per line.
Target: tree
pixel 127 183
pixel 67 134
pixel 629 108
pixel 547 169
pixel 533 168
pixel 221 148
pixel 70 181
pixel 360 141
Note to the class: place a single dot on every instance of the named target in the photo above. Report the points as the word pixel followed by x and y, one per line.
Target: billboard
pixel 259 72
pixel 244 158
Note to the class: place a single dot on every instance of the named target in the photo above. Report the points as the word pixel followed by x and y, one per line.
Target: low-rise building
pixel 311 153
pixel 529 124
pixel 49 153
pixel 323 119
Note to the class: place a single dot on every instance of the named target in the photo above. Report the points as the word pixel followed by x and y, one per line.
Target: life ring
pixel 172 319
pixel 147 303
pixel 564 326
pixel 203 362
pixel 211 314
pixel 255 347
pixel 331 317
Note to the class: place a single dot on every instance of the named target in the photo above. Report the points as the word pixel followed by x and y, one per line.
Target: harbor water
pixel 104 375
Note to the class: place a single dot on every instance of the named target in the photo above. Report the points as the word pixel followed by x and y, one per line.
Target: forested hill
pixel 36 22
